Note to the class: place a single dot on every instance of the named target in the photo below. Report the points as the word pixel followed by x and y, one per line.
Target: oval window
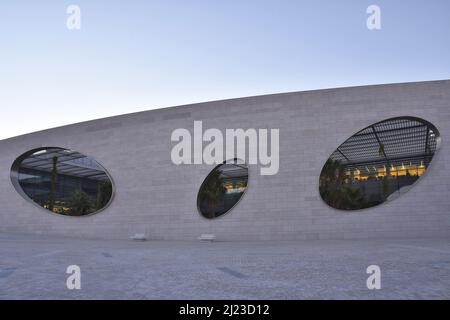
pixel 378 163
pixel 222 189
pixel 62 181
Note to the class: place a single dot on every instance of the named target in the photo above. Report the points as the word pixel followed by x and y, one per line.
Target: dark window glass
pixel 62 181
pixel 378 163
pixel 222 189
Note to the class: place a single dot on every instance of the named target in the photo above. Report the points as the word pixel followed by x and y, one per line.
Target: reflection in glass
pixel 63 181
pixel 222 189
pixel 378 163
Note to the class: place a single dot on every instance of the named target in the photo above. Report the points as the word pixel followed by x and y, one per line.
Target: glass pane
pixel 222 189
pixel 63 181
pixel 378 163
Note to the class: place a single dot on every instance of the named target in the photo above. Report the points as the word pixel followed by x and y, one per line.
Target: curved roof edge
pixel 234 100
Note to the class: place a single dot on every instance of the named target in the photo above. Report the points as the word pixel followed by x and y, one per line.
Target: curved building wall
pixel 158 198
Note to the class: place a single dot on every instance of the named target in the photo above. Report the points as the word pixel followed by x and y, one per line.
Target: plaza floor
pixel 34 267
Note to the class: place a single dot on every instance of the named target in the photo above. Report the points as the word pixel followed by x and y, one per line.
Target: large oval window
pixel 378 163
pixel 222 189
pixel 62 181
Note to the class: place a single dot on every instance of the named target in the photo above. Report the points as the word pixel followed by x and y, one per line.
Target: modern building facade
pixel 114 177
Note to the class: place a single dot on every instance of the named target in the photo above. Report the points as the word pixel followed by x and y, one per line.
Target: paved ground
pixel 34 268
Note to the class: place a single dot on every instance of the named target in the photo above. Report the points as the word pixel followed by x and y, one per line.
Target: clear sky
pixel 132 56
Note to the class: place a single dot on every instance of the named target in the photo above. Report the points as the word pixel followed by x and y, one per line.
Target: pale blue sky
pixel 139 55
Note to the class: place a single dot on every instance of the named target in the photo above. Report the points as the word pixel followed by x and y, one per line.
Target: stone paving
pixel 33 267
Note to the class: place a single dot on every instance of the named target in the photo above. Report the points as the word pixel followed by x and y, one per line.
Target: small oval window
pixel 222 189
pixel 378 163
pixel 62 181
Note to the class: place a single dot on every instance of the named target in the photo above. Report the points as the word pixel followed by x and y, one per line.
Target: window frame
pixel 206 179
pixel 14 176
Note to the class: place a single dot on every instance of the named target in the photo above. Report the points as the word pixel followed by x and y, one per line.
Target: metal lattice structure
pixel 69 163
pixel 392 142
pixel 233 172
